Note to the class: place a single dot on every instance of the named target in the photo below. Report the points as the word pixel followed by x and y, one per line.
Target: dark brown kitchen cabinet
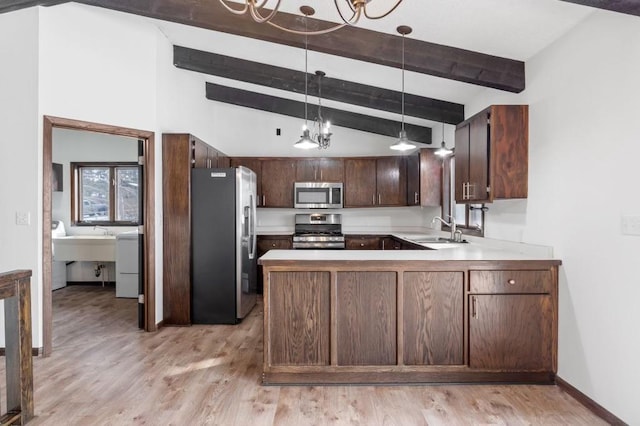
pixel 320 170
pixel 278 177
pixel 491 159
pixel 205 156
pixel 180 153
pixel 433 318
pixel 362 242
pixel 424 179
pixel 513 320
pixel 391 181
pixel 271 242
pixel 359 182
pixel 378 182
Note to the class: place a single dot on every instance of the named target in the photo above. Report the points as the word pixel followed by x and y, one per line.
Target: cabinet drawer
pixel 510 281
pixel 362 243
pixel 267 244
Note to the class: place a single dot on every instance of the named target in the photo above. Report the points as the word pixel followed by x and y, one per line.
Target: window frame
pixel 449 203
pixel 76 197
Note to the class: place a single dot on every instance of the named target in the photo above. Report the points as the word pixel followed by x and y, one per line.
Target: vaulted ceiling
pixel 457 48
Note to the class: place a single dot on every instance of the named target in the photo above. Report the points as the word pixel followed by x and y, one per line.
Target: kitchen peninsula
pixel 460 314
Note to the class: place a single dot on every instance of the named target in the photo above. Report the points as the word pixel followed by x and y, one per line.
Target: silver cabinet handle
pixel 264 201
pixel 511 281
pixel 379 199
pixel 415 198
pixel 373 199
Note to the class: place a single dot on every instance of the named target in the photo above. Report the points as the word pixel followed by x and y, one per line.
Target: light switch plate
pixel 23 218
pixel 631 225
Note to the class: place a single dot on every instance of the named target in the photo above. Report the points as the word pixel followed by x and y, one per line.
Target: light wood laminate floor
pixel 104 371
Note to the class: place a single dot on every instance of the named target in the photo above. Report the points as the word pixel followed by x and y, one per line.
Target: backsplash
pixel 374 220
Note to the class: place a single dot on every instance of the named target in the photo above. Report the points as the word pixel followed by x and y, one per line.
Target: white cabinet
pixel 127 264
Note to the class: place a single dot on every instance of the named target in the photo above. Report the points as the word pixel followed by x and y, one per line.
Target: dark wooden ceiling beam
pixel 291 108
pixel 12 5
pixel 333 89
pixel 630 7
pixel 349 42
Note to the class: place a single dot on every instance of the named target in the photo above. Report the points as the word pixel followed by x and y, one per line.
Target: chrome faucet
pixel 455 235
pixel 106 230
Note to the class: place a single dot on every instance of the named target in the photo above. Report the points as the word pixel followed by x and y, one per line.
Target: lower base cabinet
pixel 409 322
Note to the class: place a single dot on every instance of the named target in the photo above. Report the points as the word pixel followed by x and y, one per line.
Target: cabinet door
pixel 359 182
pixel 390 243
pixel 511 332
pixel 366 318
pixel 278 177
pixel 433 318
pixel 413 180
pixel 391 181
pixel 300 306
pixel 430 178
pixel 306 170
pixel 462 162
pixel 320 170
pixel 330 169
pixel 200 154
pixel 479 158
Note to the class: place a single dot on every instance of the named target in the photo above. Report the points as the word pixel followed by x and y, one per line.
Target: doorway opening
pixel 147 215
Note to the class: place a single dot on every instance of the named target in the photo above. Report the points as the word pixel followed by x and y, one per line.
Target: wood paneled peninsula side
pixel 466 314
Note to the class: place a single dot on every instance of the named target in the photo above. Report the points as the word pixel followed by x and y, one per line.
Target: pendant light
pixel 305 141
pixel 403 143
pixel 443 151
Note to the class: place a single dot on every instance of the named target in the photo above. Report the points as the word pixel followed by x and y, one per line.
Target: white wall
pixel 584 132
pixel 20 170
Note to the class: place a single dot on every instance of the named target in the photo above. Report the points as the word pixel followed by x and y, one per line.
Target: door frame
pixel 148 227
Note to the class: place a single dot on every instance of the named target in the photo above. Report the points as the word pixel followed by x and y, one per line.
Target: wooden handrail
pixel 15 290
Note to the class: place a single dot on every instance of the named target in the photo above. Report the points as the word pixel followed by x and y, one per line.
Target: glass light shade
pixel 403 143
pixel 305 141
pixel 443 151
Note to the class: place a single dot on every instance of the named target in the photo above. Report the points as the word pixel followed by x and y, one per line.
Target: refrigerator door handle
pixel 252 226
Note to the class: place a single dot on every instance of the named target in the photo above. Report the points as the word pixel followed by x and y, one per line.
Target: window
pixel 105 193
pixel 469 217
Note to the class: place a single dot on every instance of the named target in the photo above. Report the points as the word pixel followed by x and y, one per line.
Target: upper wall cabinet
pixel 375 182
pixel 320 170
pixel 491 159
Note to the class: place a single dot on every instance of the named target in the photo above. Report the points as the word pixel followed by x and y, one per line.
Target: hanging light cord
pixel 306 74
pixel 403 82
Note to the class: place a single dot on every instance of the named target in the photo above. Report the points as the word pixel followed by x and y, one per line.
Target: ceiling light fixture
pixel 258 11
pixel 323 135
pixel 443 151
pixel 305 141
pixel 403 143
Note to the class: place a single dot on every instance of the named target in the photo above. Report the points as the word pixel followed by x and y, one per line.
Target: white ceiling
pixel 516 29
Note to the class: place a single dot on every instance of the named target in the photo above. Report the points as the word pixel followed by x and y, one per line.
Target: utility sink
pixel 93 248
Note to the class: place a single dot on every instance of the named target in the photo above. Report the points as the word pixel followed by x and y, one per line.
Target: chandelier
pixel 350 13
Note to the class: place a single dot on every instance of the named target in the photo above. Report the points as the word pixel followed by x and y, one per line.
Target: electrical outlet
pixel 630 225
pixel 23 218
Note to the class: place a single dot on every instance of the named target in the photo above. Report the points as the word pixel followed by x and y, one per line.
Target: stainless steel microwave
pixel 317 195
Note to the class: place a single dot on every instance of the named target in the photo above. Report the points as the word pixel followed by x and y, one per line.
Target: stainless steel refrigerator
pixel 223 245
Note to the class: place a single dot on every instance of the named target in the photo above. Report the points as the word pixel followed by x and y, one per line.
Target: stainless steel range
pixel 318 231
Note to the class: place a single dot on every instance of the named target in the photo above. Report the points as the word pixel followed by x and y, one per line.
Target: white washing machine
pixel 58 268
pixel 127 264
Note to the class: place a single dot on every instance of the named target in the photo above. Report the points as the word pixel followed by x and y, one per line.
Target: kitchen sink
pixel 437 240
